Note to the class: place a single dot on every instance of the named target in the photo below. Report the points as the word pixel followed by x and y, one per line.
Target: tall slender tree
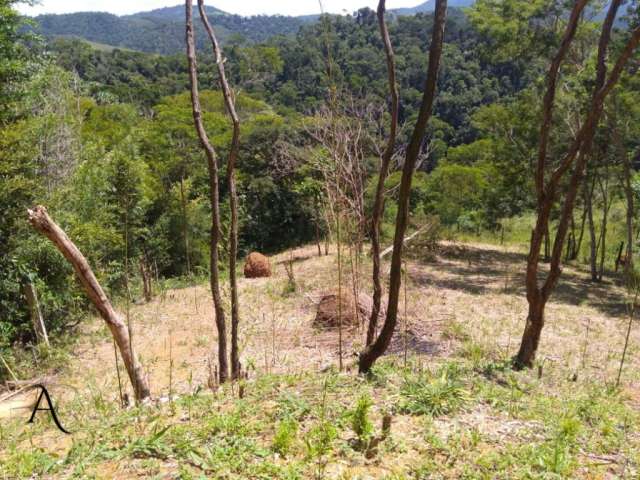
pixel 229 101
pixel 385 161
pixel 547 192
pixel 377 348
pixel 214 196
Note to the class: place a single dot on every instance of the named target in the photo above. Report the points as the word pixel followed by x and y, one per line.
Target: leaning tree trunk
pixel 214 196
pixel 378 205
pixel 376 349
pixel 229 102
pixel 41 221
pixel 579 148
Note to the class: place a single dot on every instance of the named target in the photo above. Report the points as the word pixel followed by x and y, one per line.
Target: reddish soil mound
pixel 257 265
pixel 328 315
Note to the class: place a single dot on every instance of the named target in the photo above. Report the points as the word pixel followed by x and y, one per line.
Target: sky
pixel 240 7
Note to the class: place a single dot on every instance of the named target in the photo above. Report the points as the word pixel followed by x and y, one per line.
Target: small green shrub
pixel 285 436
pixel 360 422
pixel 455 331
pixel 425 395
pixel 320 438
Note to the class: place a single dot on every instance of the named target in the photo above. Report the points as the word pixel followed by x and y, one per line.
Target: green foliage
pixel 440 394
pixel 285 436
pixel 319 439
pixel 162 30
pixel 455 192
pixel 515 28
pixel 360 421
pixel 15 58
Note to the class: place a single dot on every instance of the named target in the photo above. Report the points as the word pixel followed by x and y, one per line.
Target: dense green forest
pixel 104 138
pixel 162 30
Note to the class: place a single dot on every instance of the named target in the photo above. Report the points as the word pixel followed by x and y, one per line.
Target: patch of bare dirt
pixel 474 289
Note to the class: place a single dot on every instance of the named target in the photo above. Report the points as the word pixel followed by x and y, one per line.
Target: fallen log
pixel 41 221
pixel 407 239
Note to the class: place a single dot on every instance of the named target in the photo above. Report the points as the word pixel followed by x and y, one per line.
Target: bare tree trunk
pixel 567 255
pixel 582 224
pixel 229 102
pixel 373 351
pixel 41 221
pixel 593 245
pixel 606 206
pixel 378 205
pixel 547 244
pixel 340 297
pixel 628 193
pixel 214 195
pixel 327 237
pixel 533 328
pixel 36 313
pixel 145 274
pixel 538 296
pixel 185 225
pixel 317 230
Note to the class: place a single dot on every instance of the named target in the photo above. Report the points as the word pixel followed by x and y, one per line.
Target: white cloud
pixel 240 7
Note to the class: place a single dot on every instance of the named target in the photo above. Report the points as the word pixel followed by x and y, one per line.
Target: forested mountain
pixel 429 5
pixel 162 30
pixel 288 71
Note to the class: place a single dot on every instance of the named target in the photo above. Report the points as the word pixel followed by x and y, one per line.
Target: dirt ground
pixel 470 291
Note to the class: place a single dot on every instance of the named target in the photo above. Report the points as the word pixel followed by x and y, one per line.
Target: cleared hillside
pixel 457 410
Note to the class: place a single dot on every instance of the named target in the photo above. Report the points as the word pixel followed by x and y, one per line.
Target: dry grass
pixel 466 305
pixel 472 293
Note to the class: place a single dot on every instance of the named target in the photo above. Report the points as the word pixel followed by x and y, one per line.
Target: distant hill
pixel 162 30
pixel 429 6
pixel 175 13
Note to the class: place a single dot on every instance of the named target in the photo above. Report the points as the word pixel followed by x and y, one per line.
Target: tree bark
pixel 378 205
pixel 145 274
pixel 41 221
pixel 36 313
pixel 606 206
pixel 185 225
pixel 628 193
pixel 593 245
pixel 533 329
pixel 582 224
pixel 537 296
pixel 373 351
pixel 547 244
pixel 317 230
pixel 214 196
pixel 229 102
